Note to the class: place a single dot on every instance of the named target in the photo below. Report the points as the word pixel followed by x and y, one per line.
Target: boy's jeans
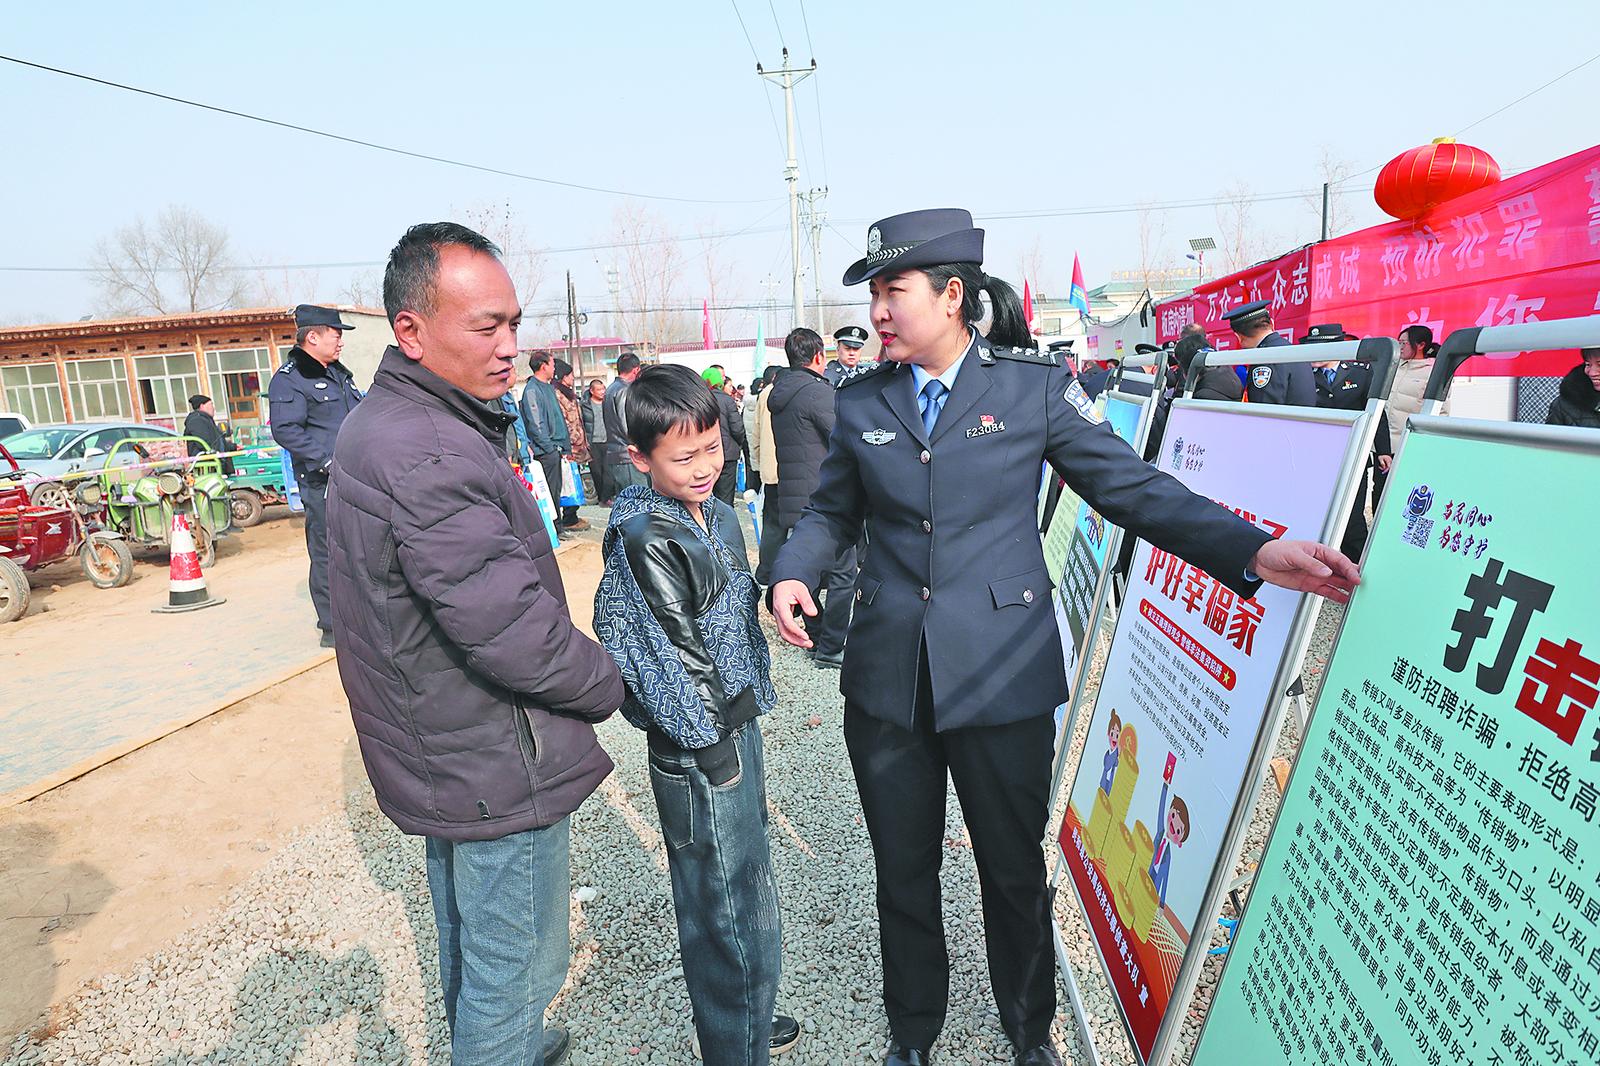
pixel 501 908
pixel 724 895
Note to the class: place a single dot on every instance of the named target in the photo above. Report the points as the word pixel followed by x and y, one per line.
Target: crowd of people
pixel 899 545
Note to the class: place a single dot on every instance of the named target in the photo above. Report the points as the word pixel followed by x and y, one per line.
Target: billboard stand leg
pixel 1073 996
pixel 1298 702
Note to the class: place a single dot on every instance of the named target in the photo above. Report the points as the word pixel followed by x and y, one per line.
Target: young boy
pixel 676 608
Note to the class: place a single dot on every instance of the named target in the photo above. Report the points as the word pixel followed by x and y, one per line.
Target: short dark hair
pixel 664 398
pixel 410 279
pixel 626 363
pixel 198 401
pixel 802 346
pixel 303 332
pixel 537 360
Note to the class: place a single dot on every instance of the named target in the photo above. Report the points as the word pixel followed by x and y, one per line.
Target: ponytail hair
pixel 1008 327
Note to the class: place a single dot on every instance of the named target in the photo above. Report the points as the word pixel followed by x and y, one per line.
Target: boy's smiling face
pixel 684 464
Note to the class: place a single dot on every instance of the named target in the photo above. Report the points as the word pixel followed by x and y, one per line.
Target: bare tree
pixel 1332 169
pixel 180 263
pixel 285 288
pixel 1242 242
pixel 1155 260
pixel 1032 267
pixel 719 282
pixel 651 266
pixel 523 259
pixel 364 289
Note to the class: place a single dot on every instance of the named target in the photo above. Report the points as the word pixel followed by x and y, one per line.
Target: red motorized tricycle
pixel 32 537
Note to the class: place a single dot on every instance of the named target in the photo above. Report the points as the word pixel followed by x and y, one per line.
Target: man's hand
pixel 1306 566
pixel 1385 462
pixel 786 596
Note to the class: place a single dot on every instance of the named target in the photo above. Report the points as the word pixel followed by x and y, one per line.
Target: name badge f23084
pixel 987 424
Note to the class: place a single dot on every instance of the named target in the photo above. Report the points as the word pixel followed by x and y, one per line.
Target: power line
pixel 1524 96
pixel 367 144
pixel 773 115
pixel 816 93
pixel 778 24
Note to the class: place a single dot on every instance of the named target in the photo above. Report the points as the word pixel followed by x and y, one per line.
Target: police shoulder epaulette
pixel 1036 356
pixel 871 372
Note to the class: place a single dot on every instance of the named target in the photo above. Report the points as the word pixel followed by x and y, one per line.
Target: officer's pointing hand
pixel 1307 566
pixel 786 596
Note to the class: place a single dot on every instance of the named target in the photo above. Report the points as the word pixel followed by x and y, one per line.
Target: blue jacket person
pixel 1281 383
pixel 308 398
pixel 937 453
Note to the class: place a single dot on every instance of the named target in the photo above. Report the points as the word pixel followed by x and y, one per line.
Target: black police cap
pixel 918 239
pixel 1323 334
pixel 1246 316
pixel 311 315
pixel 855 336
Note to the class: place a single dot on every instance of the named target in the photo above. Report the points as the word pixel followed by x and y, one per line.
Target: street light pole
pixel 788 77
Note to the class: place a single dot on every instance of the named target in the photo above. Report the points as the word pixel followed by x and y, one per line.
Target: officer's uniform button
pixel 927 526
pixel 925 456
pixel 1027 595
pixel 858 595
pixel 925 592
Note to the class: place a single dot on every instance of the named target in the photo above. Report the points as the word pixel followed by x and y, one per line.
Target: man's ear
pixel 409 330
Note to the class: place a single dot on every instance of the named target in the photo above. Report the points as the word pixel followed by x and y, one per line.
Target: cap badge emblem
pixel 874 240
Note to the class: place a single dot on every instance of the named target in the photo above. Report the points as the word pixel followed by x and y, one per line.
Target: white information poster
pixel 1186 689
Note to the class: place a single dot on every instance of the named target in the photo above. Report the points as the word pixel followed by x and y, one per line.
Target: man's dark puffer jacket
pixel 474 697
pixel 802 412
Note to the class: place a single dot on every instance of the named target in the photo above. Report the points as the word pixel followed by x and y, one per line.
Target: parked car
pixel 10 424
pixel 49 452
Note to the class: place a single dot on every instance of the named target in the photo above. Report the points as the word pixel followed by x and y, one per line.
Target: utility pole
pixel 1325 187
pixel 788 77
pixel 572 323
pixel 815 217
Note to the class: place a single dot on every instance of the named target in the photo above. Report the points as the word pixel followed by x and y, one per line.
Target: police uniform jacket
pixel 955 560
pixel 1293 384
pixel 1348 389
pixel 308 404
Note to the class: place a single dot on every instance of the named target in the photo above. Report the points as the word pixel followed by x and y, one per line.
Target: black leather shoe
pixel 785 1035
pixel 557 1042
pixel 828 662
pixel 900 1055
pixel 1043 1055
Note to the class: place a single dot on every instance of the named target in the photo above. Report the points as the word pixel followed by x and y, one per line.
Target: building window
pixel 34 391
pixel 239 379
pixel 166 382
pixel 99 389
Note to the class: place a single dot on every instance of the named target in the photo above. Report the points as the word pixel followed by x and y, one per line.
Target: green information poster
pixel 1431 891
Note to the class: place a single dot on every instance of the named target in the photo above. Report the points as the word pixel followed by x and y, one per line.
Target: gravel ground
pixel 328 954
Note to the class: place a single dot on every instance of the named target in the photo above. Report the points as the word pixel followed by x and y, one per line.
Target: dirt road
pixel 111 866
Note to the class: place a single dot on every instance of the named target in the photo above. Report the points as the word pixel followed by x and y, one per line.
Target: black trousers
pixel 1354 541
pixel 829 628
pixel 1002 777
pixel 772 535
pixel 597 472
pixel 314 494
pixel 727 483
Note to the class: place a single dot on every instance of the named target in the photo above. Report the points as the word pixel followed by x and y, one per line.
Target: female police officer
pixel 937 452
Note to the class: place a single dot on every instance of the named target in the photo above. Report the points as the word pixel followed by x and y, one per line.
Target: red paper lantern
pixel 1417 181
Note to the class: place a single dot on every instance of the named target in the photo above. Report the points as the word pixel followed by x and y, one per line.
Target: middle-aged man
pixel 1293 384
pixel 309 397
pixel 954 667
pixel 848 342
pixel 201 423
pixel 473 694
pixel 802 417
pixel 594 430
pixel 548 440
pixel 620 471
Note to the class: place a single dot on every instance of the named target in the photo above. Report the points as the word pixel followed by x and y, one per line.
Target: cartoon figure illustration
pixel 1175 819
pixel 1109 774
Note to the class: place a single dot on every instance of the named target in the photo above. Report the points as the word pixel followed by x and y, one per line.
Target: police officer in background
pixel 953 664
pixel 309 397
pixel 848 342
pixel 1283 383
pixel 1346 386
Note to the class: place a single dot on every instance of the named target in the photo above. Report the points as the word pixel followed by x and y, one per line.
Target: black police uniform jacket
pixel 954 557
pixel 1347 389
pixel 1294 384
pixel 308 403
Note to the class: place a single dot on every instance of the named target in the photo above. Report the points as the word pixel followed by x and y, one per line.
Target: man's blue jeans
pixel 501 908
pixel 724 894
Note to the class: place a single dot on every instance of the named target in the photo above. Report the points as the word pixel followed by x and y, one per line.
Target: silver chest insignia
pixel 877 436
pixel 987 424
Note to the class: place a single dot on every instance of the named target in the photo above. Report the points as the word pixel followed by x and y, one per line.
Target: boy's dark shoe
pixel 828 662
pixel 1043 1055
pixel 900 1055
pixel 785 1035
pixel 557 1042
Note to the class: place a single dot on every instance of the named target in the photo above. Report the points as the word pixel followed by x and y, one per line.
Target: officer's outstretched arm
pixel 832 519
pixel 1149 504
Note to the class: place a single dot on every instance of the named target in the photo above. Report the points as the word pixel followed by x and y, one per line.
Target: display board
pixel 1193 672
pixel 1430 890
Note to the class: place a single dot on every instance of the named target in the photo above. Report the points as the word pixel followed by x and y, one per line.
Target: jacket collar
pixel 410 379
pixel 1575 389
pixel 307 364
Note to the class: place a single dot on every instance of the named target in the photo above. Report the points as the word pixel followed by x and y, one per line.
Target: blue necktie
pixel 933 394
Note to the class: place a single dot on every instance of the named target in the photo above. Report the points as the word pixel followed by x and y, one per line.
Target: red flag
pixel 706 336
pixel 1027 304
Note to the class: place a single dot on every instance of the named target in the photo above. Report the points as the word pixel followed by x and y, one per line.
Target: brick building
pixel 145 369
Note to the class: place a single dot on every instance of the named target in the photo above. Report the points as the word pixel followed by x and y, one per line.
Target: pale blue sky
pixel 996 107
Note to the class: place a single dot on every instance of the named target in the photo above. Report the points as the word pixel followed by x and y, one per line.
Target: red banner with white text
pixel 1526 249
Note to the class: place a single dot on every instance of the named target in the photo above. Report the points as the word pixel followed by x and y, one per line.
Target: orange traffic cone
pixel 186 585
